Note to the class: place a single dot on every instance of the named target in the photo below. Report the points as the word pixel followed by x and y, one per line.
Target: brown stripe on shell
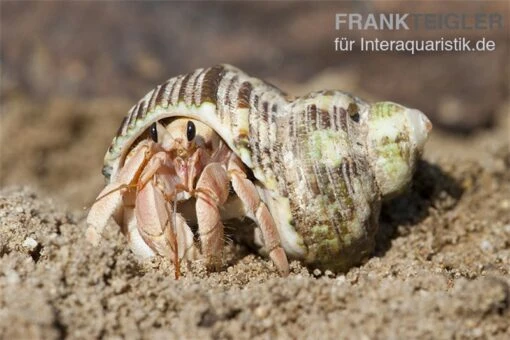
pixel 276 151
pixel 318 178
pixel 341 192
pixel 228 95
pixel 224 100
pixel 132 115
pixel 254 113
pixel 255 102
pixel 189 87
pixel 122 125
pixel 256 158
pixel 265 144
pixel 292 127
pixel 264 112
pixel 152 101
pixel 174 92
pixel 312 185
pixel 274 110
pixel 333 191
pixel 312 116
pixel 310 123
pixel 233 95
pixel 197 87
pixel 355 169
pixel 334 124
pixel 325 119
pixel 294 176
pixel 210 84
pixel 164 93
pixel 342 116
pixel 142 109
pixel 279 171
pixel 182 90
pixel 268 165
pixel 303 132
pixel 346 164
pixel 243 100
pixel 325 179
pixel 302 176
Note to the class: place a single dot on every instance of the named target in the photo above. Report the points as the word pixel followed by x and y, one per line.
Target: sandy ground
pixel 441 269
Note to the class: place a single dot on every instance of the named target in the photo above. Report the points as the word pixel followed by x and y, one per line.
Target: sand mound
pixel 441 268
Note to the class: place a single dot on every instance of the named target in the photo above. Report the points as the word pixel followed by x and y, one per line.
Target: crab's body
pixel 322 163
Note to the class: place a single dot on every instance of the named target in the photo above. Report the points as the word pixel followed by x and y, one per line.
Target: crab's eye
pixel 154 132
pixel 190 131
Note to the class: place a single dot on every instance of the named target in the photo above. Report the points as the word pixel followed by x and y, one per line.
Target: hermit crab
pixel 217 144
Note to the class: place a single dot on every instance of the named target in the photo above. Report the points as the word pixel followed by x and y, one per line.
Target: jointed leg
pixel 161 227
pixel 211 191
pixel 258 210
pixel 163 230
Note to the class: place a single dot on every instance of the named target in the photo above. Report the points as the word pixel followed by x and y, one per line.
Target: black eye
pixel 190 131
pixel 154 132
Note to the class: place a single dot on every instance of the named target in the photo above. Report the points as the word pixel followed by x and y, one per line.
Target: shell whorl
pixel 232 103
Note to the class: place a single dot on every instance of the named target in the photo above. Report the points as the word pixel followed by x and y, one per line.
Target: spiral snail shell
pixel 322 163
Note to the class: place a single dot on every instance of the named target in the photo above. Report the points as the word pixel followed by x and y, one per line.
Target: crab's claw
pixel 161 228
pixel 108 203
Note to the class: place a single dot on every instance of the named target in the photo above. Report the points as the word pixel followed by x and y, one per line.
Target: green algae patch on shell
pixel 395 140
pixel 323 146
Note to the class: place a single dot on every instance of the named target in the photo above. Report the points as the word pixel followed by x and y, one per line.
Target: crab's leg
pixel 109 201
pixel 195 165
pixel 155 225
pixel 154 211
pixel 211 192
pixel 257 210
pixel 155 222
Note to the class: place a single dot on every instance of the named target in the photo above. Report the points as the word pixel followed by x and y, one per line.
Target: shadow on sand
pixel 431 188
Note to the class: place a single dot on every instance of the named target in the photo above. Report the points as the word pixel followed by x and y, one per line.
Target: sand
pixel 441 268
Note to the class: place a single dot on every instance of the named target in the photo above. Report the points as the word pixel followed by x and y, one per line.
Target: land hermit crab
pixel 216 143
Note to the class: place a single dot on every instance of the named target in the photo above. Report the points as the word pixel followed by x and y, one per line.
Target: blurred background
pixel 71 70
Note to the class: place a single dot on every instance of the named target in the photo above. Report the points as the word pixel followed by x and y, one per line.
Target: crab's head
pixel 183 136
pixel 396 137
